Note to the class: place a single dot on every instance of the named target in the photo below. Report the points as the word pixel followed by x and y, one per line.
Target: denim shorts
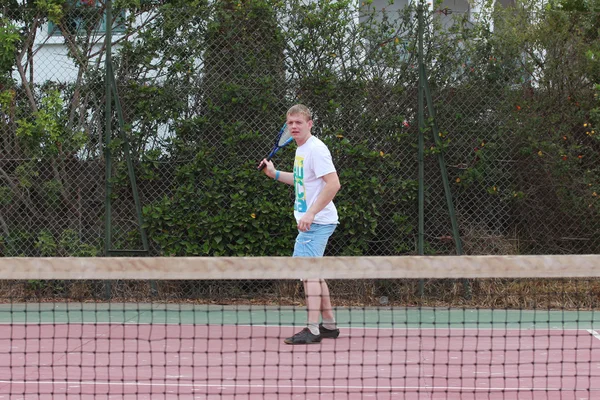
pixel 313 242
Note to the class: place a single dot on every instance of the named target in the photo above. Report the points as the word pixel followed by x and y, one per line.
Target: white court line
pixel 594 333
pixel 287 386
pixel 407 328
pixel 444 326
pixel 451 326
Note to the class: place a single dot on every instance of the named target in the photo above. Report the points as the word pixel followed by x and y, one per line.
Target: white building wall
pixel 52 63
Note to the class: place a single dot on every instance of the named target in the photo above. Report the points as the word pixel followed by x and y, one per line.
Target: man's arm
pixel 286 177
pixel 332 186
pixel 270 171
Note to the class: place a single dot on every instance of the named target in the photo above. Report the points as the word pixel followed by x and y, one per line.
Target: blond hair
pixel 300 109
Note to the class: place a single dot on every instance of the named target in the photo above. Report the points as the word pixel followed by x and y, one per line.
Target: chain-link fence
pixel 204 87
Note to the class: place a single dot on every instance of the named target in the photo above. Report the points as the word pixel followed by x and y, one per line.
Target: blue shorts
pixel 313 242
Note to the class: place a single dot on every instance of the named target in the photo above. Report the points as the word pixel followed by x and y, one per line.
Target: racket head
pixel 285 136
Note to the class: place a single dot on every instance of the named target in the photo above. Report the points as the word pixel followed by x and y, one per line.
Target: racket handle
pixel 262 166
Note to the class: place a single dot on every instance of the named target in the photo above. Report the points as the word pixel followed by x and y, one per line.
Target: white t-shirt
pixel 312 162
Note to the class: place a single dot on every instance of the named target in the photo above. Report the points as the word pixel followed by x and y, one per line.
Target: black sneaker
pixel 305 336
pixel 328 333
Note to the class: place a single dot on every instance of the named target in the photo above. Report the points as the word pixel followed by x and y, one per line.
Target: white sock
pixel 314 328
pixel 329 324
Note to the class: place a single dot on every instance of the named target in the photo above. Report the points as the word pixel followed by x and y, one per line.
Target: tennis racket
pixel 283 139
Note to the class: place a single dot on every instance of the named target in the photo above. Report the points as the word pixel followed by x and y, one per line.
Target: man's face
pixel 299 127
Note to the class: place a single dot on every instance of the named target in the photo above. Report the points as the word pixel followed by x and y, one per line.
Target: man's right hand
pixel 269 168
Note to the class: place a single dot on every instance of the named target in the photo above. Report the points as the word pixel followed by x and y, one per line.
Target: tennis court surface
pixel 213 330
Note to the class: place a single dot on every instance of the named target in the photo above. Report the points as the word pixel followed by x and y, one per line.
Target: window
pixel 82 13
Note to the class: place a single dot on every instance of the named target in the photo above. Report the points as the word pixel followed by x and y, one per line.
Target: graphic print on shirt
pixel 300 203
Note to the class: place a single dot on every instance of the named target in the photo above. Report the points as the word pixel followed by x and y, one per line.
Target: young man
pixel 316 183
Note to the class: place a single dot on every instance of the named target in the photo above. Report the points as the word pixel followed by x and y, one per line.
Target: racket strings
pixel 285 137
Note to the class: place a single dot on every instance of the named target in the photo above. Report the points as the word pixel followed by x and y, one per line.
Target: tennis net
pixel 469 327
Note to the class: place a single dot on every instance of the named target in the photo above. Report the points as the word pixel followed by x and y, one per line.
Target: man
pixel 316 183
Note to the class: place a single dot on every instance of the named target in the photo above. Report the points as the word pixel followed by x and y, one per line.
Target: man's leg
pixel 318 303
pixel 328 329
pixel 314 299
pixel 312 244
pixel 305 247
pixel 326 308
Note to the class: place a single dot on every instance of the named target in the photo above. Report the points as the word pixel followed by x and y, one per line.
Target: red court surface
pixel 116 361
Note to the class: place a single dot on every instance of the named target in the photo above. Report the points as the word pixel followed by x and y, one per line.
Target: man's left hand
pixel 305 222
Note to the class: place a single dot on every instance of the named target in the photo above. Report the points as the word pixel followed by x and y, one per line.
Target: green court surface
pixel 382 317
